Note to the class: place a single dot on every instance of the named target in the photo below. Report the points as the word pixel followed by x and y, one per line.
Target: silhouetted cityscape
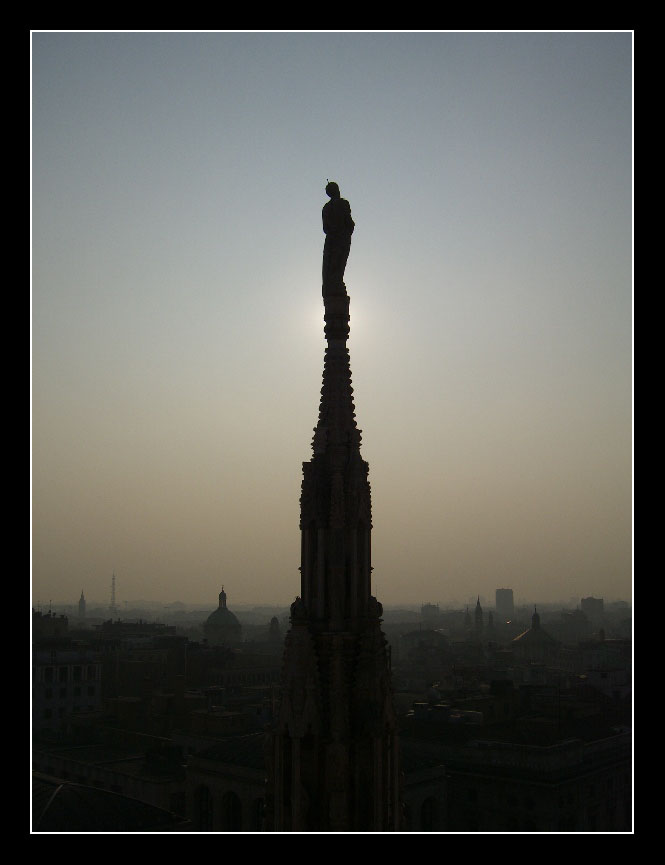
pixel 503 726
pixel 333 714
pixel 281 684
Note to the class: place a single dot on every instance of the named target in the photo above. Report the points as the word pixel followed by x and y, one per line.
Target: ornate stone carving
pixel 298 610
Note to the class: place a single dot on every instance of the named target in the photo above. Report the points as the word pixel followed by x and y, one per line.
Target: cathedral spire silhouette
pixel 333 753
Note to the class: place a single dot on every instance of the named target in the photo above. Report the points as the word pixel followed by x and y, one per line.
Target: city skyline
pixel 133 603
pixel 177 318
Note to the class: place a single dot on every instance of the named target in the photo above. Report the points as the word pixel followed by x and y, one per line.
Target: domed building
pixel 222 628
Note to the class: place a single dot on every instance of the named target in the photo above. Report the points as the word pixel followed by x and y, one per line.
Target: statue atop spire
pixel 338 228
pixel 333 756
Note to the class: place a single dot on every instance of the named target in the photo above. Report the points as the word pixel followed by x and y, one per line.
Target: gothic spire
pixel 334 752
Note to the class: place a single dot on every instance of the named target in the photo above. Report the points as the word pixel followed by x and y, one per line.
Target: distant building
pixel 274 633
pixel 505 605
pixel 139 631
pixel 65 683
pixel 478 619
pixel 49 625
pixel 430 613
pixel 82 606
pixel 535 646
pixel 573 626
pixel 593 609
pixel 222 628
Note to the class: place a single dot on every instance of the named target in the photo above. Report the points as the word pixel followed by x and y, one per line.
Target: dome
pixel 222 626
pixel 223 617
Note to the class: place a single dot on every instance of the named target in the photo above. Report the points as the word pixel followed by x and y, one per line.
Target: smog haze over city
pixel 177 318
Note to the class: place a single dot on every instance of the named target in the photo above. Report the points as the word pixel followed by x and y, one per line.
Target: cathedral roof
pixel 535 634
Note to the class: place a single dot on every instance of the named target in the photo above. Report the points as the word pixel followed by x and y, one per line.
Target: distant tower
pixel 334 749
pixel 82 606
pixel 505 606
pixel 113 607
pixel 274 634
pixel 535 619
pixel 478 619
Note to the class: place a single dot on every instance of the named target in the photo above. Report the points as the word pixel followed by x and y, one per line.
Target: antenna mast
pixel 113 607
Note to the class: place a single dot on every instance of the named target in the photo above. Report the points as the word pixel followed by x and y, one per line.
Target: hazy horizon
pixel 415 606
pixel 177 318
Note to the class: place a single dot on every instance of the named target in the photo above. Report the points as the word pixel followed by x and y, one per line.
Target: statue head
pixel 332 189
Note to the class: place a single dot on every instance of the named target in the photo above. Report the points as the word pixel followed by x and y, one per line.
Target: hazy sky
pixel 177 319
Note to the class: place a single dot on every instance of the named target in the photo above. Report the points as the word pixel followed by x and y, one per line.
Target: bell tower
pixel 333 753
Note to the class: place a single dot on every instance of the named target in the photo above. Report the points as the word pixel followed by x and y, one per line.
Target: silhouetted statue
pixel 338 228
